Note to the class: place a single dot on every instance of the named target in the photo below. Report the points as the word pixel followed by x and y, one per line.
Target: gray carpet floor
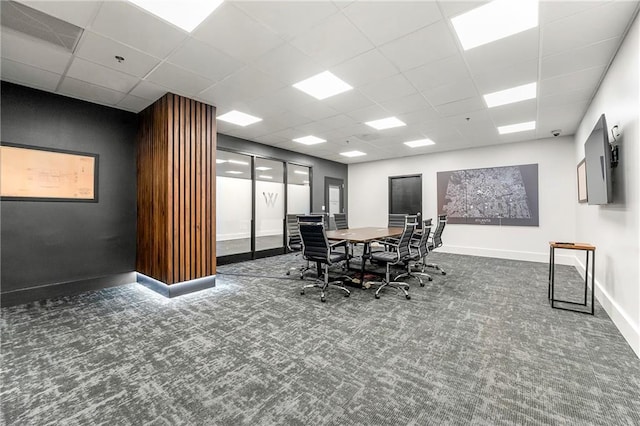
pixel 478 346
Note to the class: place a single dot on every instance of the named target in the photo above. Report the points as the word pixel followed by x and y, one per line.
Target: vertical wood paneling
pixel 176 190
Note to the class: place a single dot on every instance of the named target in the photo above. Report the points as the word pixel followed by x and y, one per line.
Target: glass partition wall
pixel 253 197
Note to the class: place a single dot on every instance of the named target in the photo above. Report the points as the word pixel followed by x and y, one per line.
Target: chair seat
pixel 295 247
pixel 384 256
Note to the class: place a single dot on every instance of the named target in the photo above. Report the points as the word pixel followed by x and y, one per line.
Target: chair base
pixel 323 286
pixel 436 267
pixel 418 275
pixel 393 284
pixel 303 271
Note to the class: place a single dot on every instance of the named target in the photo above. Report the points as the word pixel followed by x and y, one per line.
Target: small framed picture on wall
pixel 582 182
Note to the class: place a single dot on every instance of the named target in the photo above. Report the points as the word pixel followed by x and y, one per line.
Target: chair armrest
pixel 384 242
pixel 338 243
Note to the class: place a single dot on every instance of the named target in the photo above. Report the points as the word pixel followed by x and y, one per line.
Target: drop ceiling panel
pixel 134 103
pixel 148 90
pixel 254 82
pixel 420 116
pixel 581 58
pixel 348 101
pixel 370 113
pixel 426 45
pixel 101 76
pixel 338 121
pixel 82 90
pixel 455 8
pixel 504 78
pixel 587 27
pixel 101 50
pixel 326 42
pixel 33 52
pixel 385 21
pixel 316 111
pixel 518 112
pixel 204 60
pixel 393 87
pixel 79 13
pixel 236 34
pixel 551 11
pixel 182 81
pixel 462 106
pixel 286 18
pixel 406 104
pixel 17 72
pixel 287 64
pixel 565 98
pixel 123 22
pixel 573 81
pixel 462 89
pixel 365 68
pixel 504 53
pixel 438 73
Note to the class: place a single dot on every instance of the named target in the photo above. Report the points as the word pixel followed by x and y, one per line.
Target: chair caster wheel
pixel 408 297
pixel 302 292
pixel 430 279
pixel 322 299
pixel 288 273
pixel 443 273
pixel 421 284
pixel 347 295
pixel 377 296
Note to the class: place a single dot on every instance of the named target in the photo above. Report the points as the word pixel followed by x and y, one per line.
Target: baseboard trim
pixel 67 288
pixel 540 257
pixel 177 289
pixel 620 318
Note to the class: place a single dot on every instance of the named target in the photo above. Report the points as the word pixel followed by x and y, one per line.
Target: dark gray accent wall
pixel 321 168
pixel 52 248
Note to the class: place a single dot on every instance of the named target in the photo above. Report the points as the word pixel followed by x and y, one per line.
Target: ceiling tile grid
pixel 402 58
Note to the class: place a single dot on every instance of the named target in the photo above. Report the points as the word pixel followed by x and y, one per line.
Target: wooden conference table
pixel 363 236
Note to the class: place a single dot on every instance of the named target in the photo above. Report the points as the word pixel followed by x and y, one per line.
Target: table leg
pixel 549 282
pixel 586 278
pixel 365 252
pixel 593 277
pixel 553 272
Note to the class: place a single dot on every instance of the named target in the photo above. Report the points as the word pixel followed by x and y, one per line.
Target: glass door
pixel 298 189
pixel 234 205
pixel 269 204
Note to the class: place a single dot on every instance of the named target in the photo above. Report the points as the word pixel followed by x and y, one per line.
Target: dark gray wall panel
pixel 45 243
pixel 321 168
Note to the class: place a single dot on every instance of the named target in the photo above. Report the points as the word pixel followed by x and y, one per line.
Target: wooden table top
pixel 572 246
pixel 363 235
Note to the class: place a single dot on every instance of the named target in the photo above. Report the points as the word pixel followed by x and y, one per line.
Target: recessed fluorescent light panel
pixel 385 123
pixel 234 172
pixel 309 140
pixel 323 85
pixel 353 154
pixel 263 168
pixel 419 142
pixel 509 96
pixel 519 127
pixel 495 20
pixel 239 118
pixel 186 14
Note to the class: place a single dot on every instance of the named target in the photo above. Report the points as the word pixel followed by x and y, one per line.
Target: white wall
pixel 368 197
pixel 614 228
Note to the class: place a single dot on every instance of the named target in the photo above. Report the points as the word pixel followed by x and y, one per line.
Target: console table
pixel 587 248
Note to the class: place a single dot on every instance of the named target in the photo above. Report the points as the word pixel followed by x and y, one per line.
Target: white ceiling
pixel 402 58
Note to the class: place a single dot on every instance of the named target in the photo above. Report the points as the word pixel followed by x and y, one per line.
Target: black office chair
pixel 396 220
pixel 316 248
pixel 436 241
pixel 398 253
pixel 341 220
pixel 418 251
pixel 294 243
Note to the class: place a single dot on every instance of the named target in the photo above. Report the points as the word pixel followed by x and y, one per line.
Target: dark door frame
pixel 418 175
pixel 332 181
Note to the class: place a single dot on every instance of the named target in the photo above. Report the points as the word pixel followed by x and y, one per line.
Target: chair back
pixel 294 241
pixel 397 220
pixel 315 245
pixel 311 218
pixel 405 239
pixel 437 234
pixel 423 244
pixel 341 220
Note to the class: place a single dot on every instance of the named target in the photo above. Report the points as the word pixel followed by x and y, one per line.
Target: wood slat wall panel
pixel 176 190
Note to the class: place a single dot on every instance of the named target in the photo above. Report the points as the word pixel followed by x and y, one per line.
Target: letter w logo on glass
pixel 270 198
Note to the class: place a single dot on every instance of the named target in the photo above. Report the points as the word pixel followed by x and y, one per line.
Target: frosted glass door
pixel 233 203
pixel 269 196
